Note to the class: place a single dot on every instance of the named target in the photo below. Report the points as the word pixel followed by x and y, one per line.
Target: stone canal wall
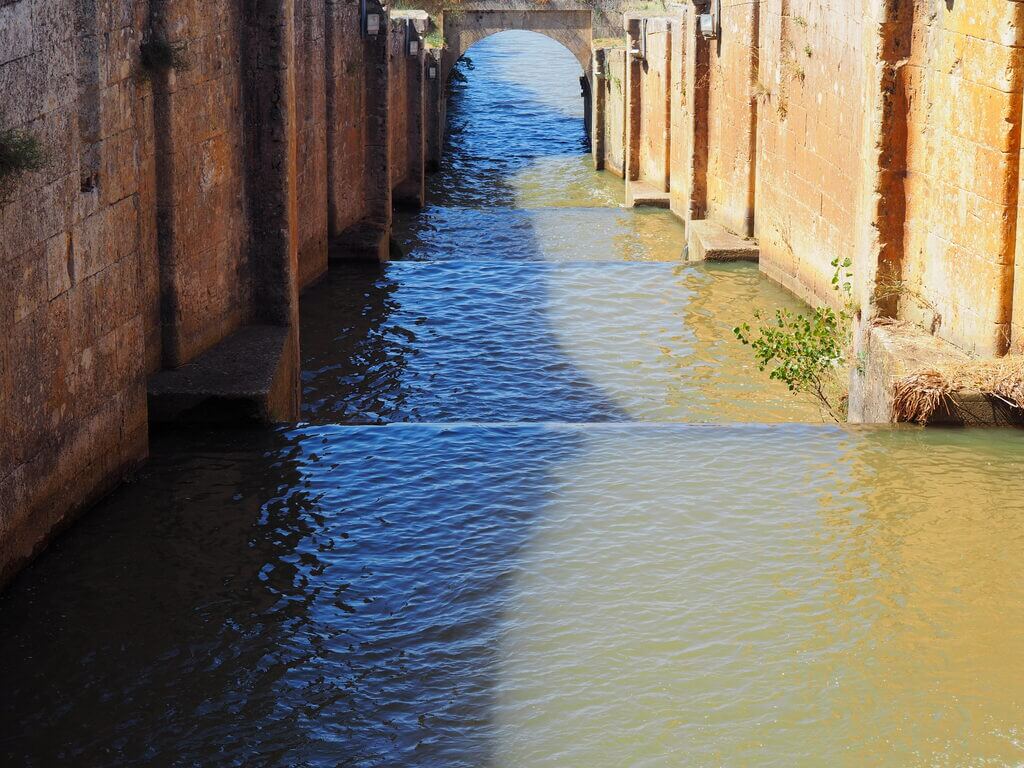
pixel 406 94
pixel 811 91
pixel 647 131
pixel 886 133
pixel 311 129
pixel 609 142
pixel 203 161
pixel 78 250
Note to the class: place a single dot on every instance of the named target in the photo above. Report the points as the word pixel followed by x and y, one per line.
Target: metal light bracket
pixel 710 20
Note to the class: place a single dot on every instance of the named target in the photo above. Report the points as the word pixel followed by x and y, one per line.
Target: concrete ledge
pixel 419 19
pixel 708 241
pixel 409 195
pixel 640 193
pixel 892 351
pixel 249 377
pixel 367 240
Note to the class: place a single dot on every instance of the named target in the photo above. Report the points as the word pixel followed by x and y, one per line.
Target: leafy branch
pixel 808 352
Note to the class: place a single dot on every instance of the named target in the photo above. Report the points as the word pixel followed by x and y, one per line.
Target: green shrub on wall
pixel 809 353
pixel 20 153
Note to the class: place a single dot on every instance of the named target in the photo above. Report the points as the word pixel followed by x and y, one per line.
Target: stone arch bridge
pixel 565 21
pixel 569 22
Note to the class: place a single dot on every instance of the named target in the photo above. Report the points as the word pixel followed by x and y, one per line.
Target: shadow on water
pixel 315 596
pixel 319 595
pixel 461 340
pixel 499 125
pixel 454 595
pixel 441 343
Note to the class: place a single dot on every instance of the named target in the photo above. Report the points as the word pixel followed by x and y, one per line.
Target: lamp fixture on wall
pixel 369 23
pixel 710 22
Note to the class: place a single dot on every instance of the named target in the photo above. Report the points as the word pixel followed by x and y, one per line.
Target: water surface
pixel 542 511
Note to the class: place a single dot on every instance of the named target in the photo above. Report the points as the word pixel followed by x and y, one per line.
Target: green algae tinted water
pixel 530 519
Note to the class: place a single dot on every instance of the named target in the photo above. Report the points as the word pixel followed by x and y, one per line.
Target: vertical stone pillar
pixel 599 99
pixel 410 192
pixel 634 104
pixel 754 77
pixel 698 65
pixel 433 111
pixel 368 238
pixel 665 65
pixel 1015 290
pixel 680 120
pixel 270 134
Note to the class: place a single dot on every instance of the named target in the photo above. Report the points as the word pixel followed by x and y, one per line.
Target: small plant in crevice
pixel 157 55
pixel 809 353
pixel 890 287
pixel 21 152
pixel 434 39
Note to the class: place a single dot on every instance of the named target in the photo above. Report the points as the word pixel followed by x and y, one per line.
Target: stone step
pixel 640 193
pixel 249 377
pixel 708 241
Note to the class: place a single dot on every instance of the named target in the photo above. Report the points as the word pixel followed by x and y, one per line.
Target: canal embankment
pixel 883 134
pixel 525 521
pixel 205 164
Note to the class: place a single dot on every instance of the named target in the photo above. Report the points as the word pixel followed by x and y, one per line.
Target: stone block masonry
pixel 648 96
pixel 886 133
pixel 78 319
pixel 182 209
pixel 406 107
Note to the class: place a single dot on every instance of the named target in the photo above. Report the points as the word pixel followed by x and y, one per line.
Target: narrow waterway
pixel 542 511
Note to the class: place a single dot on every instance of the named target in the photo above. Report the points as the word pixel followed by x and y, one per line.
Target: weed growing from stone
pixel 20 153
pixel 435 39
pixel 808 352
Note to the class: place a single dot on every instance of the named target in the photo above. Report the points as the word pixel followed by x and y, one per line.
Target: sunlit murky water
pixel 536 563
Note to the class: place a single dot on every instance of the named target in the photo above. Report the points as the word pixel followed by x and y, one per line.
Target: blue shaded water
pixel 529 520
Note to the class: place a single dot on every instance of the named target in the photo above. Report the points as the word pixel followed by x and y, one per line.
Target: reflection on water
pixel 771 597
pixel 517 342
pixel 511 596
pixel 613 589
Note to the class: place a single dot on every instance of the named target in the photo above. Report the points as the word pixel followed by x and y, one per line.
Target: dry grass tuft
pixel 917 396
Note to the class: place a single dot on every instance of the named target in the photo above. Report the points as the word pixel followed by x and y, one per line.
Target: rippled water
pixel 535 562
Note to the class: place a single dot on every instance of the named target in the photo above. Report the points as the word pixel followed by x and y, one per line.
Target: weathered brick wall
pixel 654 77
pixel 730 127
pixel 688 104
pixel 407 107
pixel 398 101
pixel 74 242
pixel 311 136
pixel 810 93
pixel 961 83
pixel 202 194
pixel 348 81
pixel 613 126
